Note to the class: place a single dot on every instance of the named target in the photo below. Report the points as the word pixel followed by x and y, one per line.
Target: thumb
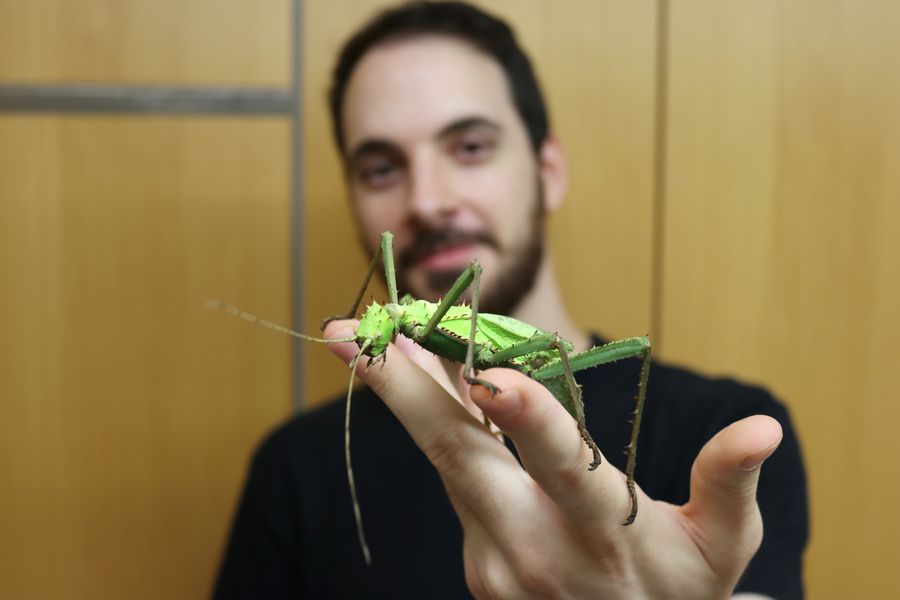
pixel 723 491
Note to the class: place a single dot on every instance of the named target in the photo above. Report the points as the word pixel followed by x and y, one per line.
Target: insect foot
pixel 592 445
pixel 493 389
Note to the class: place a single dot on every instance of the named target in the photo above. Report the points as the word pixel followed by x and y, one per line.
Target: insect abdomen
pixel 445 345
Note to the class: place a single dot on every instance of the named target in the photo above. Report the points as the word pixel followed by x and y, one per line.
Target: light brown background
pixel 735 192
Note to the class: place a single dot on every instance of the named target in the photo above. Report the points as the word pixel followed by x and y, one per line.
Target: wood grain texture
pixel 166 41
pixel 127 412
pixel 782 231
pixel 596 61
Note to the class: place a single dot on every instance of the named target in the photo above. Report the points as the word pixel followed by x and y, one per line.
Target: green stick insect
pixel 479 341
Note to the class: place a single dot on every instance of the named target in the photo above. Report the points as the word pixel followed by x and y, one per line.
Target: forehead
pixel 408 89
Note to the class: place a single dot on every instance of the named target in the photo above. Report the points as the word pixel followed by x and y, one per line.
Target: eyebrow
pixel 375 146
pixel 380 145
pixel 468 123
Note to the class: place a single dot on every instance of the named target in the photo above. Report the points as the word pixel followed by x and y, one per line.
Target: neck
pixel 543 307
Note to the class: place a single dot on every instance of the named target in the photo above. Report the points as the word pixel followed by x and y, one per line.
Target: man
pixel 445 141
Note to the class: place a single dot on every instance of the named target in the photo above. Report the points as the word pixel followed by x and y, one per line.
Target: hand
pixel 555 531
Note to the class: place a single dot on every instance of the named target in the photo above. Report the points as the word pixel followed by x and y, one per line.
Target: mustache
pixel 433 240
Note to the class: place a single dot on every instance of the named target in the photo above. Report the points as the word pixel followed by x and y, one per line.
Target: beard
pixel 515 274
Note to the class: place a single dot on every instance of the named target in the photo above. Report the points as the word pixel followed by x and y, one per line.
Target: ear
pixel 554 173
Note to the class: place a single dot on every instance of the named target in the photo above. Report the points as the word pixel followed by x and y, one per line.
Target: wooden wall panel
pixel 127 413
pixel 596 61
pixel 165 41
pixel 782 231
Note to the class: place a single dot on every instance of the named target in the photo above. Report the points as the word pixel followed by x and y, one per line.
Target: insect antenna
pixel 356 511
pixel 237 312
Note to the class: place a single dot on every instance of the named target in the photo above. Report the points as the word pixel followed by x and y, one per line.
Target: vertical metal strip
pixel 660 156
pixel 298 363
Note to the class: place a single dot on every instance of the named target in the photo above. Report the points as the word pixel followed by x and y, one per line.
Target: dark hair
pixel 458 19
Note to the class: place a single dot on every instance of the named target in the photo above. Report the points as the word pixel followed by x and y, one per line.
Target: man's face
pixel 438 155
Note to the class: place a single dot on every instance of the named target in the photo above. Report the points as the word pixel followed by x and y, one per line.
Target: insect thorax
pixel 377 326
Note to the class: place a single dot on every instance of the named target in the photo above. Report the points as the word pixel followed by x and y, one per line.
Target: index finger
pixel 443 429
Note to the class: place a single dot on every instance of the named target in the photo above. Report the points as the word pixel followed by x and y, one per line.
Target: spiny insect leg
pixel 577 402
pixel 462 282
pixel 635 429
pixel 362 290
pixel 468 367
pixel 536 343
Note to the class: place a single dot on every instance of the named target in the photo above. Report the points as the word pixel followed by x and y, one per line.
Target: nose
pixel 431 198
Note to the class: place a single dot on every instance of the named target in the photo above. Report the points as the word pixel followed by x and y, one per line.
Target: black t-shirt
pixel 294 535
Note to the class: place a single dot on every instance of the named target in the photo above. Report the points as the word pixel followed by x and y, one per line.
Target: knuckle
pixel 447 450
pixel 488 578
pixel 522 574
pixel 537 579
pixel 566 478
pixel 496 584
pixel 475 584
pixel 491 585
pixel 495 589
pixel 474 578
pixel 750 539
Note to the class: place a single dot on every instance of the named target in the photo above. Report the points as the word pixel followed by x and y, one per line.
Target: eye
pixel 473 147
pixel 377 171
pixel 378 168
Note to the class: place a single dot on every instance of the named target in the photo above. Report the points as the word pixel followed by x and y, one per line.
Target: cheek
pixel 487 192
pixel 502 198
pixel 378 215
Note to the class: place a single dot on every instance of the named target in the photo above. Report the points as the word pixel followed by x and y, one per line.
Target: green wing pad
pixel 458 322
pixel 560 390
pixel 498 332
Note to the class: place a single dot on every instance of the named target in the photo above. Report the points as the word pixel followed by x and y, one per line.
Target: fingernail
pixel 500 406
pixel 479 393
pixel 752 462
